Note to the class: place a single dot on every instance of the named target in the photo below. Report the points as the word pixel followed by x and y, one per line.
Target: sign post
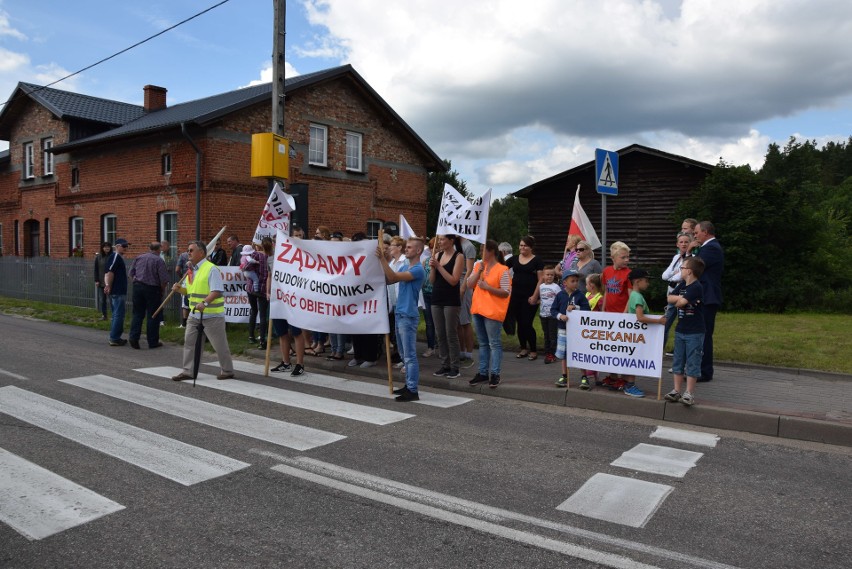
pixel 606 181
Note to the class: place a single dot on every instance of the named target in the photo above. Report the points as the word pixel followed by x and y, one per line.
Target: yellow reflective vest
pixel 198 288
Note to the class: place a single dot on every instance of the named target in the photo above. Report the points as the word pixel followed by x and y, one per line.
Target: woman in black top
pixel 446 267
pixel 100 269
pixel 528 274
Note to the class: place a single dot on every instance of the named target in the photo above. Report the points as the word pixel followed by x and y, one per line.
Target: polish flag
pixel 581 225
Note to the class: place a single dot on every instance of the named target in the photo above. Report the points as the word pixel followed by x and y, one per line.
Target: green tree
pixel 508 219
pixel 435 189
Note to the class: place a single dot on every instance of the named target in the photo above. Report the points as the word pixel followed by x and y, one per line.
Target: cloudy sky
pixel 511 92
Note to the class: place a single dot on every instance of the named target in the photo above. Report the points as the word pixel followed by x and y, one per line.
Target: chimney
pixel 155 98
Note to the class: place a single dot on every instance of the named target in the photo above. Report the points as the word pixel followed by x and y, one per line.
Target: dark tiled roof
pixel 524 192
pixel 67 105
pixel 201 111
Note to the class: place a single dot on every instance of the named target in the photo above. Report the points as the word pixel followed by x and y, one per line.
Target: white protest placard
pixel 329 286
pixel 236 298
pixel 276 214
pixel 459 216
pixel 614 342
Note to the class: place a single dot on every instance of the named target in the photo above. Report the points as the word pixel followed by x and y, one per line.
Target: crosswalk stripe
pixel 658 460
pixel 255 426
pixel 617 499
pixel 352 386
pixel 37 503
pixel 364 413
pixel 169 458
pixel 684 436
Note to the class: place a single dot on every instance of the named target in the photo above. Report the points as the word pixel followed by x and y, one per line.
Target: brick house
pixel 651 183
pixel 81 170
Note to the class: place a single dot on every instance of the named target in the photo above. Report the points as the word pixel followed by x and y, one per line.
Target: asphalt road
pixel 472 483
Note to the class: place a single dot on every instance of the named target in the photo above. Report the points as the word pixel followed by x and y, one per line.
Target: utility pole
pixel 280 17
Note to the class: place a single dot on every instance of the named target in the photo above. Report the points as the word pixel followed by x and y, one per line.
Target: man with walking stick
pixel 204 291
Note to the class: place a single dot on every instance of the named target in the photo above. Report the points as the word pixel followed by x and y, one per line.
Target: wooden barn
pixel 650 185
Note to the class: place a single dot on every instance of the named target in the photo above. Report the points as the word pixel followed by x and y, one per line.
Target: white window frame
pixel 110 234
pixel 354 144
pixel 169 234
pixel 318 137
pixel 76 232
pixel 75 176
pixel 47 157
pixel 373 226
pixel 29 161
pixel 166 163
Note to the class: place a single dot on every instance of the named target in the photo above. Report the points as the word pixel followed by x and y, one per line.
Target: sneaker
pixel 401 390
pixel 613 383
pixel 453 373
pixel 466 362
pixel 443 371
pixel 353 363
pixel 134 344
pixel 119 342
pixel 252 340
pixel 350 351
pixel 298 370
pixel 282 367
pixel 429 353
pixel 673 396
pixel 181 326
pixel 261 345
pixel 584 383
pixel 562 381
pixel 669 355
pixel 633 391
pixel 549 358
pixel 494 381
pixel 367 364
pixel 225 375
pixel 399 365
pixel 478 378
pixel 408 396
pixel 671 370
pixel 687 399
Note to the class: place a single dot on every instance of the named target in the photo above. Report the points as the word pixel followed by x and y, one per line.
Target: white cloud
pixel 7 30
pixel 266 74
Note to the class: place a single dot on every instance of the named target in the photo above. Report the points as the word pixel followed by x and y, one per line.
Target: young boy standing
pixel 547 292
pixel 566 301
pixel 640 280
pixel 688 298
pixel 616 291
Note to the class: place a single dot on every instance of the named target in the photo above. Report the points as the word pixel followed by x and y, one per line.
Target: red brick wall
pixel 125 178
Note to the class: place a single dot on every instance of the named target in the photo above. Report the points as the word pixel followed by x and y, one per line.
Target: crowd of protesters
pixel 441 281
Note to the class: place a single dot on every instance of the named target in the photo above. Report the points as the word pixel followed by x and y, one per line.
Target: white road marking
pixel 572 550
pixel 364 413
pixel 481 511
pixel 255 426
pixel 177 461
pixel 616 499
pixel 12 374
pixel 37 503
pixel 350 385
pixel 658 460
pixel 684 436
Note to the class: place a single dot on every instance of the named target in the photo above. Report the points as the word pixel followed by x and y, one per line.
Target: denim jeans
pixel 116 329
pixel 688 351
pixel 406 330
pixel 490 344
pixel 102 301
pixel 338 343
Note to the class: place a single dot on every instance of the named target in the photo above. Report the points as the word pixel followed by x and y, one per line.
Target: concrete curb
pixel 704 415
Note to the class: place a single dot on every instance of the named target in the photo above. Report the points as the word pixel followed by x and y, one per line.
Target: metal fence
pixel 62 281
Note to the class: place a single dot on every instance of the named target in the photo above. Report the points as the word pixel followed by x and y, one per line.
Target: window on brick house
pixel 29 161
pixel 167 224
pixel 109 228
pixel 76 240
pixel 318 148
pixel 47 156
pixel 75 177
pixel 353 151
pixel 373 226
pixel 166 163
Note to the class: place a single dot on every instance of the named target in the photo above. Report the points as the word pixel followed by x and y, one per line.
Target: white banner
pixel 329 286
pixel 235 295
pixel 614 342
pixel 276 214
pixel 458 216
pixel 405 230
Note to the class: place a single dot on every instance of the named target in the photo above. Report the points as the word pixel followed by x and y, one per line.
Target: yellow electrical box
pixel 270 156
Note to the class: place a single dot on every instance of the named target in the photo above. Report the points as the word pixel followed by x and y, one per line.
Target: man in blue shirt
pixel 407 316
pixel 115 287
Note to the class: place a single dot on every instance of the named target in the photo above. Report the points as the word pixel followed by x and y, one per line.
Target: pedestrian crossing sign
pixel 606 172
